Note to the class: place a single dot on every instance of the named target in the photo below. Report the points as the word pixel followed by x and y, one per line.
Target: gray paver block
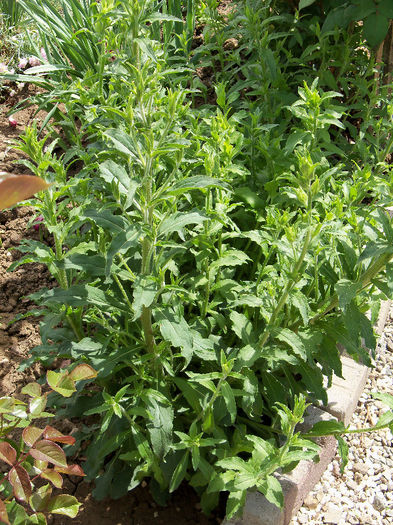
pixel 344 393
pixel 296 484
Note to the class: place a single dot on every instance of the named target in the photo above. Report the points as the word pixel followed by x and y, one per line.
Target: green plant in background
pixel 374 14
pixel 11 13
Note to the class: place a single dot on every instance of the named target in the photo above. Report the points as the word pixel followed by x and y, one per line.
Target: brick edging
pixel 343 397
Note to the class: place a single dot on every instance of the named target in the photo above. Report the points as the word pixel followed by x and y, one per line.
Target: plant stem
pixel 265 336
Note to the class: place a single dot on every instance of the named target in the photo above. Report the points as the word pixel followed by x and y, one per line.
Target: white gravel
pixel 363 494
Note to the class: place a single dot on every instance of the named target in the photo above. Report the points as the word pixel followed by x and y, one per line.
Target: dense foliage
pixel 218 224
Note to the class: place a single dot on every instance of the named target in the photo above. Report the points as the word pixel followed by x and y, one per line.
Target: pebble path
pixel 363 494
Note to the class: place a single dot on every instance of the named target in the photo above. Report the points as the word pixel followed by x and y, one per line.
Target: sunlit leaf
pixel 3 513
pixel 83 371
pixel 16 188
pixel 48 451
pixel 20 481
pixel 61 382
pixel 64 504
pixel 31 434
pixel 55 435
pixel 7 453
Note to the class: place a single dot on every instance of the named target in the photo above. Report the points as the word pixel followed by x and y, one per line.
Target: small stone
pixel 333 514
pixel 360 468
pixel 311 502
pixel 352 485
pixel 379 504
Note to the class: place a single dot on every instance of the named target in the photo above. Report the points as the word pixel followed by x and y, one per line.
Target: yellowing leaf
pixel 16 188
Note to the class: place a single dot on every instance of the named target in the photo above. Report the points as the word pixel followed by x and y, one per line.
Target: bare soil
pixel 18 338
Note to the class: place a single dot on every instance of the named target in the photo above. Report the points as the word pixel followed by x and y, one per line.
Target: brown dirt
pixel 16 340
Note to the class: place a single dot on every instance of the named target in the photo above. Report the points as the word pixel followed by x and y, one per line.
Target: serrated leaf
pixel 32 390
pixel 122 142
pixel 178 221
pixel 346 291
pixel 292 339
pixel 242 327
pixel 7 453
pixel 20 481
pixel 82 372
pixel 272 490
pixel 46 450
pixel 31 434
pixel 3 513
pixel 61 382
pixel 123 241
pixel 145 289
pixel 160 426
pixel 229 399
pixel 65 505
pixel 179 472
pixel 230 257
pixel 175 329
pixel 197 182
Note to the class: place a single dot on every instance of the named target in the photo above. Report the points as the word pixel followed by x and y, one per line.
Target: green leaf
pixel 198 182
pixel 325 428
pixel 122 143
pixel 385 8
pixel 272 490
pixel 191 394
pixel 82 372
pixel 229 399
pixel 384 420
pixel 31 434
pixel 61 383
pixel 305 3
pixel 179 472
pixel 375 28
pixel 106 219
pixel 175 329
pixel 230 257
pixel 385 398
pixel 54 477
pixel 46 450
pixel 64 504
pixel 177 221
pixel 32 390
pixel 37 405
pixel 235 503
pixel 20 481
pixel 242 327
pixel 123 241
pixel 160 427
pixel 293 340
pixel 346 291
pixel 343 450
pixel 145 289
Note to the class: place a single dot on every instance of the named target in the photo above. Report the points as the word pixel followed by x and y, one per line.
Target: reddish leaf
pixel 40 465
pixel 54 477
pixel 64 504
pixel 31 434
pixel 41 497
pixel 83 371
pixel 32 390
pixel 55 435
pixel 45 450
pixel 61 382
pixel 16 188
pixel 7 453
pixel 37 405
pixel 3 513
pixel 20 481
pixel 71 470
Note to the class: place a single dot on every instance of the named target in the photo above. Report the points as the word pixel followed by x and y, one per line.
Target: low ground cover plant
pixel 212 243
